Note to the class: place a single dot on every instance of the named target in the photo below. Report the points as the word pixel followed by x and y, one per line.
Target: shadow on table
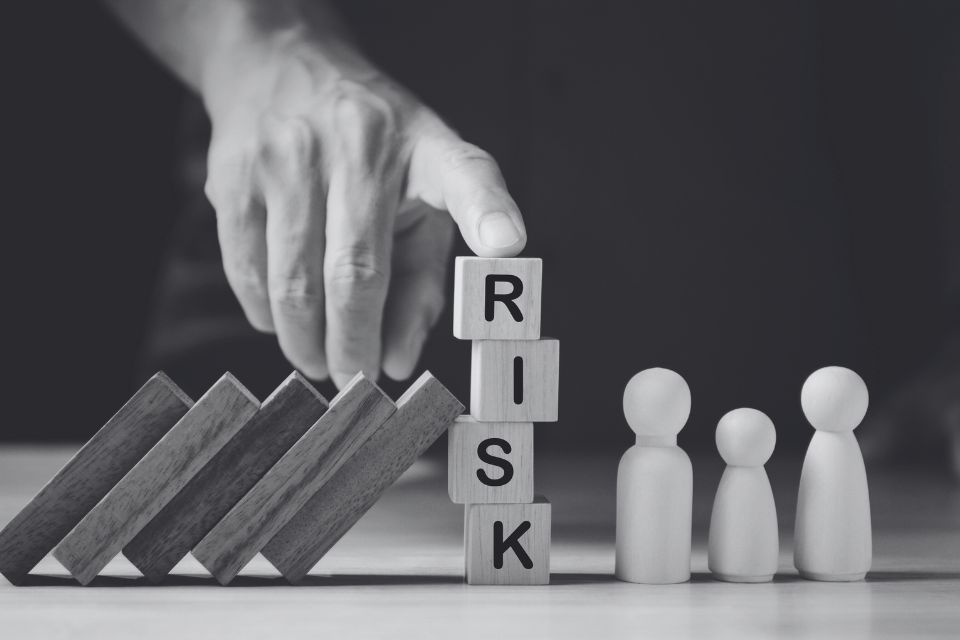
pixel 912 576
pixel 343 580
pixel 382 580
pixel 781 578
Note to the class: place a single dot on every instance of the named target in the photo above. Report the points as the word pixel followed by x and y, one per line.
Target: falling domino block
pixel 424 411
pixel 508 543
pixel 156 479
pixel 354 414
pixel 490 461
pixel 90 474
pixel 497 298
pixel 515 380
pixel 282 419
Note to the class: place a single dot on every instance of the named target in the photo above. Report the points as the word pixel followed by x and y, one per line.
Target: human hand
pixel 334 190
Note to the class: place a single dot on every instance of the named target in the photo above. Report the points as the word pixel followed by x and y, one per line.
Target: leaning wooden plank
pixel 282 419
pixel 357 411
pixel 156 479
pixel 424 411
pixel 90 474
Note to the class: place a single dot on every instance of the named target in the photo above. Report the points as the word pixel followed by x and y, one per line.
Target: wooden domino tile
pixel 507 543
pixel 354 414
pixel 90 474
pixel 424 412
pixel 497 298
pixel 490 461
pixel 156 479
pixel 282 419
pixel 515 380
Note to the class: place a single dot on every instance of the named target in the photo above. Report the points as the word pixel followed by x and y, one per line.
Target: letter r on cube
pixel 497 298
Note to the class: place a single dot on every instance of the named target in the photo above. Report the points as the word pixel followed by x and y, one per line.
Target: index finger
pixel 448 173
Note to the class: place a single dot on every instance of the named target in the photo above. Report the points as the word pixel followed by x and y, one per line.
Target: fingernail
pixel 497 230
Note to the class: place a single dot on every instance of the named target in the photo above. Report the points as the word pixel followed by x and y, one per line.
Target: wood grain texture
pixel 493 395
pixel 354 415
pixel 90 474
pixel 424 412
pixel 471 478
pixel 479 542
pixel 469 299
pixel 282 419
pixel 154 481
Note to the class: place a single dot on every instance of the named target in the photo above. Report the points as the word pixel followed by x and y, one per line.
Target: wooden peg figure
pixel 833 540
pixel 655 482
pixel 744 543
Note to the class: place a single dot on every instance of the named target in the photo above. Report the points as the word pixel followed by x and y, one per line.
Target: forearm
pixel 203 41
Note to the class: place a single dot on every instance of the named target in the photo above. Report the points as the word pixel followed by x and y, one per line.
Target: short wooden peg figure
pixel 833 540
pixel 655 482
pixel 744 541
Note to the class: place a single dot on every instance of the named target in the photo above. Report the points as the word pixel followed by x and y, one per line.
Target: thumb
pixel 448 173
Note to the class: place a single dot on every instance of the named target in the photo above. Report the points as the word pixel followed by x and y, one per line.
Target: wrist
pixel 258 41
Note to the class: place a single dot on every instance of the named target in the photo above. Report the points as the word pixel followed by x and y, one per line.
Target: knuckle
pixel 295 294
pixel 464 155
pixel 365 124
pixel 289 143
pixel 227 181
pixel 354 278
pixel 357 108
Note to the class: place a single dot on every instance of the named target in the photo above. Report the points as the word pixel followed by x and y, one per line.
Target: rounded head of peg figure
pixel 834 399
pixel 745 438
pixel 656 402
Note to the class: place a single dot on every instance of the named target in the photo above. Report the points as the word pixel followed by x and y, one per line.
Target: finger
pixel 448 173
pixel 417 285
pixel 361 203
pixel 241 218
pixel 295 247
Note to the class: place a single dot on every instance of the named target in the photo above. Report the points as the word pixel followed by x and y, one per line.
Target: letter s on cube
pixel 489 462
pixel 497 298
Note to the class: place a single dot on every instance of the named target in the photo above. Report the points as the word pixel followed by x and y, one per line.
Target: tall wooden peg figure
pixel 833 540
pixel 744 543
pixel 655 482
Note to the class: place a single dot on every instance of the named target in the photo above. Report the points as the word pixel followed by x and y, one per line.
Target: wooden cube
pixel 497 298
pixel 508 543
pixel 515 380
pixel 490 461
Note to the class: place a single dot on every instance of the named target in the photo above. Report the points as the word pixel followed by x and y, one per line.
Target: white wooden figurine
pixel 744 543
pixel 655 482
pixel 833 538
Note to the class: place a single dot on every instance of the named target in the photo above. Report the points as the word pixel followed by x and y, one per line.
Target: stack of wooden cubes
pixel 514 383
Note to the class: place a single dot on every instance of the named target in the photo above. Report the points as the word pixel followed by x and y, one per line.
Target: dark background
pixel 739 191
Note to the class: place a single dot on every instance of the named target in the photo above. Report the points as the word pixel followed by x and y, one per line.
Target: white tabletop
pixel 398 573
